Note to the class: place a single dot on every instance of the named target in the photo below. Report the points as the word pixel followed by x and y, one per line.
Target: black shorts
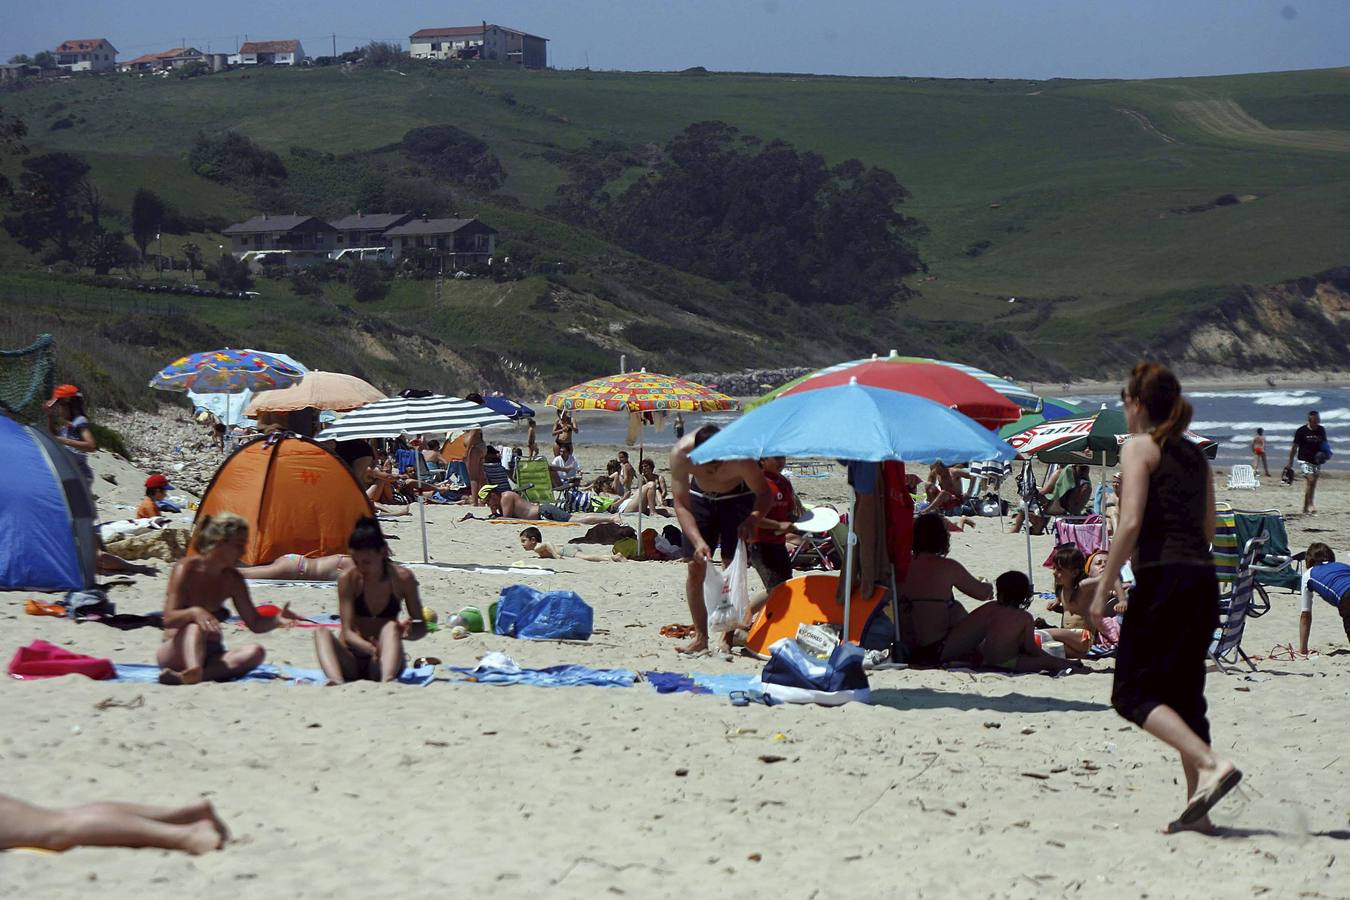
pixel 550 512
pixel 772 563
pixel 1164 644
pixel 718 519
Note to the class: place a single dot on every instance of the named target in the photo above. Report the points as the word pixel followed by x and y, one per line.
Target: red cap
pixel 156 482
pixel 64 391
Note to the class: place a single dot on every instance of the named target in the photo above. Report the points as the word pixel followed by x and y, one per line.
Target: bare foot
pixel 698 645
pixel 617 557
pixel 192 675
pixel 216 821
pixel 202 837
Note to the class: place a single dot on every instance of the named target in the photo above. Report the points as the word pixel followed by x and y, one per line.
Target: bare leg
pixel 182 658
pixel 1203 768
pixel 335 659
pixel 1308 491
pixel 287 568
pixel 235 663
pixel 391 652
pixel 595 519
pixel 100 825
pixel 693 595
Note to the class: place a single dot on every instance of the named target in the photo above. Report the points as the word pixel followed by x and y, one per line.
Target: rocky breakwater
pixel 169 441
pixel 748 382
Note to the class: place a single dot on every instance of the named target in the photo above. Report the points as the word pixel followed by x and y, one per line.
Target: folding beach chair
pixel 1088 533
pixel 1276 566
pixel 1234 608
pixel 821 551
pixel 1225 546
pixel 1243 478
pixel 534 481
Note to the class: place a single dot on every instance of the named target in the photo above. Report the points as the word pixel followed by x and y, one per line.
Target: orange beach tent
pixel 296 496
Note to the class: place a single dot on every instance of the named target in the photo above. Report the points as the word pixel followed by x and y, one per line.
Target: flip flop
pixel 1206 800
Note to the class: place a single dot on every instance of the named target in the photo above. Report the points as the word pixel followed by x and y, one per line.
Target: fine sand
pixel 949 783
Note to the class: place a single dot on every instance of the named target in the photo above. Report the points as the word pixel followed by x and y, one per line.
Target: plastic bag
pixel 726 593
pixel 529 614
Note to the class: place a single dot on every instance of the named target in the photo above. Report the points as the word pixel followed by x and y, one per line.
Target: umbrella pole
pixel 848 568
pixel 421 506
pixel 1026 529
pixel 642 447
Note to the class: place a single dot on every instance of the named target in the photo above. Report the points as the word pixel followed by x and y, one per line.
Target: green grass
pixel 1073 194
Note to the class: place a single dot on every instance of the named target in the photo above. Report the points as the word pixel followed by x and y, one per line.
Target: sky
pixel 933 38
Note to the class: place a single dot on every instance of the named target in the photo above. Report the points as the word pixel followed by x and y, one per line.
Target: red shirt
pixel 783 508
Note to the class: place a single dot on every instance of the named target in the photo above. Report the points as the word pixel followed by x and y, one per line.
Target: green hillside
pixel 1091 202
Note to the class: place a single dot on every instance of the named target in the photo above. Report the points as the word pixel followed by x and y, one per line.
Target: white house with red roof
pixel 87 55
pixel 269 53
pixel 482 41
pixel 167 59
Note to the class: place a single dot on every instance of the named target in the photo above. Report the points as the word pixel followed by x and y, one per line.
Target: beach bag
pixel 529 614
pixel 794 676
pixel 43 660
pixel 726 593
pixel 1323 454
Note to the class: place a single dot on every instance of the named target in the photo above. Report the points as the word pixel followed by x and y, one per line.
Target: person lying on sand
pixel 194 828
pixel 194 608
pixel 369 644
pixel 294 567
pixel 510 505
pixel 533 542
pixel 1001 635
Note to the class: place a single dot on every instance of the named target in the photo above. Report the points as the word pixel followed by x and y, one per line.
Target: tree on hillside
pixel 49 204
pixel 731 208
pixel 367 281
pixel 147 217
pixel 381 54
pixel 192 255
pixel 12 131
pixel 233 157
pixel 20 59
pixel 105 249
pixel 454 153
pixel 231 274
pixel 44 59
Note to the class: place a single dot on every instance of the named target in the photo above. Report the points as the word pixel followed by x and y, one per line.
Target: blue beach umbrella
pixel 508 407
pixel 854 422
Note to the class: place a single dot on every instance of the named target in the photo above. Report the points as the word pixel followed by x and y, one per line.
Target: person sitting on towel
pixel 533 542
pixel 1329 580
pixel 194 609
pixel 371 594
pixel 1001 634
pixel 929 609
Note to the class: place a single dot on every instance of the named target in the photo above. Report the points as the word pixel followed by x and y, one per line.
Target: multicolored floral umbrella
pixel 1016 393
pixel 226 372
pixel 641 392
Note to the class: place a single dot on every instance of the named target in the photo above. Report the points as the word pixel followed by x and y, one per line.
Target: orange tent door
pixel 807 599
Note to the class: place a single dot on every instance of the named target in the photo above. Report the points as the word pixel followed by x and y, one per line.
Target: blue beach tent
pixel 47 538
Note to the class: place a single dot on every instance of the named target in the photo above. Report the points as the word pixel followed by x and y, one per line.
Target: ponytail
pixel 1159 392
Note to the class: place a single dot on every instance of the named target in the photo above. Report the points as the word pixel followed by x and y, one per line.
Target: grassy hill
pixel 1091 202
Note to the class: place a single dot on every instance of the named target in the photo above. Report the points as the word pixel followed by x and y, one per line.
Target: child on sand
pixel 195 607
pixel 533 542
pixel 1001 635
pixel 156 489
pixel 1325 578
pixel 1259 462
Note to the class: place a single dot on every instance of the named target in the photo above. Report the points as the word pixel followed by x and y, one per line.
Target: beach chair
pixel 1234 609
pixel 1225 546
pixel 1088 533
pixel 1243 478
pixel 1277 566
pixel 821 551
pixel 534 481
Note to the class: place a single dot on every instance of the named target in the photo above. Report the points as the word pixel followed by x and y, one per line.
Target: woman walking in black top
pixel 1167 524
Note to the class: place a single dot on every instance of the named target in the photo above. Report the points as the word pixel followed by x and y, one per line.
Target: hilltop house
pixel 167 59
pixel 363 235
pixel 482 41
pixel 298 240
pixel 269 53
pixel 87 55
pixel 443 243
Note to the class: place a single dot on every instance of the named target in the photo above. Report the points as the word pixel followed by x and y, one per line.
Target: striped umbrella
pixel 1016 393
pixel 641 392
pixel 420 415
pixel 1095 438
pixel 226 372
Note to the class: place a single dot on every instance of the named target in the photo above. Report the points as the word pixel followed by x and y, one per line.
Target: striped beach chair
pixel 1234 610
pixel 1225 546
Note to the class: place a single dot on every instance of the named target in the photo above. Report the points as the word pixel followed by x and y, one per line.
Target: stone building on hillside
pixel 483 41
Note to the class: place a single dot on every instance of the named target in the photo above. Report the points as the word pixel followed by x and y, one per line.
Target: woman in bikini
pixel 369 643
pixel 294 567
pixel 928 608
pixel 194 609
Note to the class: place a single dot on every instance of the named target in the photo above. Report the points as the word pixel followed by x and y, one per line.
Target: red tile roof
pixel 270 47
pixel 157 57
pixel 82 44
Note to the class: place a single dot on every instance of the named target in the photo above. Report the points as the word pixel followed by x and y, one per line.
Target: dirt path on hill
pixel 1227 119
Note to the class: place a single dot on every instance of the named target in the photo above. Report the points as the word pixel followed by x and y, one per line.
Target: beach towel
pixel 43 660
pixel 699 682
pixel 498 668
pixel 484 569
pixel 1090 535
pixel 145 673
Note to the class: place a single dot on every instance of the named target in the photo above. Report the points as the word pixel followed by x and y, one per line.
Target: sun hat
pixel 486 489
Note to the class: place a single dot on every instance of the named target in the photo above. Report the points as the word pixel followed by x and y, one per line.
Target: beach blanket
pixel 144 673
pixel 498 668
pixel 484 569
pixel 699 682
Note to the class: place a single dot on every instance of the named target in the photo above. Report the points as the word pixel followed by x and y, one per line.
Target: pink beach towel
pixel 43 660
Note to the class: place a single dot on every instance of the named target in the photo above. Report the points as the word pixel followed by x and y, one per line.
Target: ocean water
pixel 1229 417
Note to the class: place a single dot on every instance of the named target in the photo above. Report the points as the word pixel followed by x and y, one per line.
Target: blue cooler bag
pixel 523 612
pixel 794 676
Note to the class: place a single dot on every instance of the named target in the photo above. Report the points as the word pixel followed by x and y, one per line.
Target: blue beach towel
pixel 144 673
pixel 498 668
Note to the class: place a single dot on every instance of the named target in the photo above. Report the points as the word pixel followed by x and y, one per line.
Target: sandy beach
pixel 949 783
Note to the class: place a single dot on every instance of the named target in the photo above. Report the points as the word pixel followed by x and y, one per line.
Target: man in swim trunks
pixel 1308 442
pixel 510 505
pixel 716 504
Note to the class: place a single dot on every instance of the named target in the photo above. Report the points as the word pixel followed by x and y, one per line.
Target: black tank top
pixel 1173 528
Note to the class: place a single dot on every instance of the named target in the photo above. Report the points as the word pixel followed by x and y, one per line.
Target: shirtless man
pixel 195 607
pixel 510 505
pixel 716 504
